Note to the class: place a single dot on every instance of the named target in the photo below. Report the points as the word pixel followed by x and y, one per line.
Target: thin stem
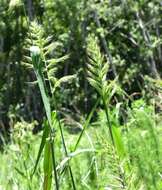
pixel 60 127
pixel 64 144
pixel 108 121
pixel 86 124
pixel 113 142
pixel 54 165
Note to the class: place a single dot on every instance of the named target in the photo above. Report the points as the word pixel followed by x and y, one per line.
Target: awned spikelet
pixel 40 49
pixel 97 68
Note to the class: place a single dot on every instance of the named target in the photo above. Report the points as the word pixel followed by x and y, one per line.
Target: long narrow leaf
pixel 43 141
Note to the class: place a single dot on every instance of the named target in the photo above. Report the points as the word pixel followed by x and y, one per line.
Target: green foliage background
pixel 129 33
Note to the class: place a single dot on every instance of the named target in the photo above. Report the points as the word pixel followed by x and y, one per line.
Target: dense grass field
pixel 135 163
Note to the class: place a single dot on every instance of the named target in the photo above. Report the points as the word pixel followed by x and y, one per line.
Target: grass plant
pixel 126 156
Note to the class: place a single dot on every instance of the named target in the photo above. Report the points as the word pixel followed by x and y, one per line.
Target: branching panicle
pixel 48 66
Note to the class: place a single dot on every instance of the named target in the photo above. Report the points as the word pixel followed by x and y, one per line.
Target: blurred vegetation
pixel 109 52
pixel 130 37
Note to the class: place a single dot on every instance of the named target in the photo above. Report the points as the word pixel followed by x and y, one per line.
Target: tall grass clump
pixel 45 70
pixel 97 69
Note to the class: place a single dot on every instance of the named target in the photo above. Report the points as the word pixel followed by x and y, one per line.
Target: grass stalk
pixel 108 121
